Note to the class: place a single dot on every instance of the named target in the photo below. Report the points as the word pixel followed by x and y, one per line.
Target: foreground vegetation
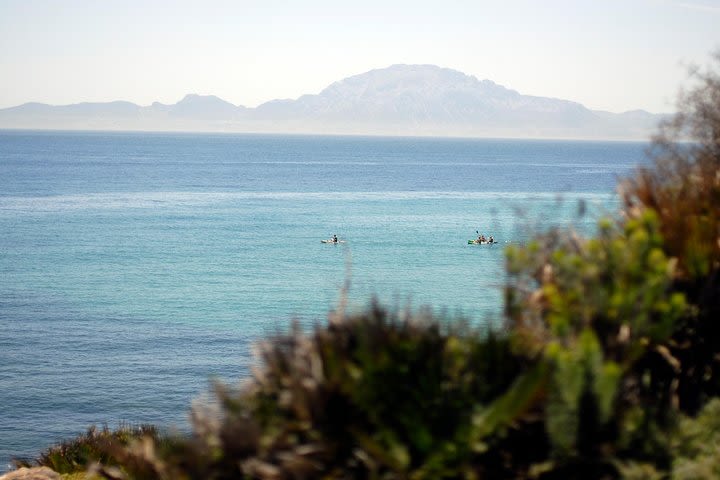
pixel 607 365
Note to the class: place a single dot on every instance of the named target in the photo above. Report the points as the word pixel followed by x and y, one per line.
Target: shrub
pixel 598 313
pixel 93 446
pixel 373 396
pixel 683 189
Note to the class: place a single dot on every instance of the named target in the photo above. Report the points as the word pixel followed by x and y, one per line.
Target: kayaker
pixel 334 239
pixel 491 239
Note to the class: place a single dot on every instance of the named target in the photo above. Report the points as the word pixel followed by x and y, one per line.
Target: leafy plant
pixel 93 446
pixel 373 396
pixel 682 187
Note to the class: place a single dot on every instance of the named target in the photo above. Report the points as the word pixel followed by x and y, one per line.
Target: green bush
pixel 372 396
pixel 683 189
pixel 93 446
pixel 695 445
pixel 598 313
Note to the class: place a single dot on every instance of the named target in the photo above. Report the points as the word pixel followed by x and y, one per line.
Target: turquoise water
pixel 134 267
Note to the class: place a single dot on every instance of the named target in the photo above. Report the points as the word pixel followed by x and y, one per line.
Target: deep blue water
pixel 134 267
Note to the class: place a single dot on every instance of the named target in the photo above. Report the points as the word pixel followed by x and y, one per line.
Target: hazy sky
pixel 611 55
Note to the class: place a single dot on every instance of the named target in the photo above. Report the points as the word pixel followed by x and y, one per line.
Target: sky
pixel 613 55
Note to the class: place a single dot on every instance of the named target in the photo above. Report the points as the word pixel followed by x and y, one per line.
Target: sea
pixel 138 268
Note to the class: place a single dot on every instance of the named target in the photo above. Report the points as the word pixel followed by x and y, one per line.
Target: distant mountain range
pixel 413 100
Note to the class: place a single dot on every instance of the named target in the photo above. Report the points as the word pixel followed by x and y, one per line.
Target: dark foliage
pixel 93 446
pixel 683 188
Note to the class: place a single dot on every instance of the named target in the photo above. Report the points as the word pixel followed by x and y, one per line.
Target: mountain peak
pixel 403 71
pixel 195 99
pixel 204 106
pixel 415 79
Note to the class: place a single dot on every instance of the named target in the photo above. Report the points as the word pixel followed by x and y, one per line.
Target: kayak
pixel 475 242
pixel 330 241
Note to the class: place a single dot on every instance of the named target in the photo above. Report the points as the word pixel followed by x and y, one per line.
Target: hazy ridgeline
pixel 411 100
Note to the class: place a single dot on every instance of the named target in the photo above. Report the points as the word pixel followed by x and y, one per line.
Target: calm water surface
pixel 135 267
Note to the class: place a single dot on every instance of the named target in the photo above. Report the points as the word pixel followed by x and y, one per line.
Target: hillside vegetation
pixel 607 365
